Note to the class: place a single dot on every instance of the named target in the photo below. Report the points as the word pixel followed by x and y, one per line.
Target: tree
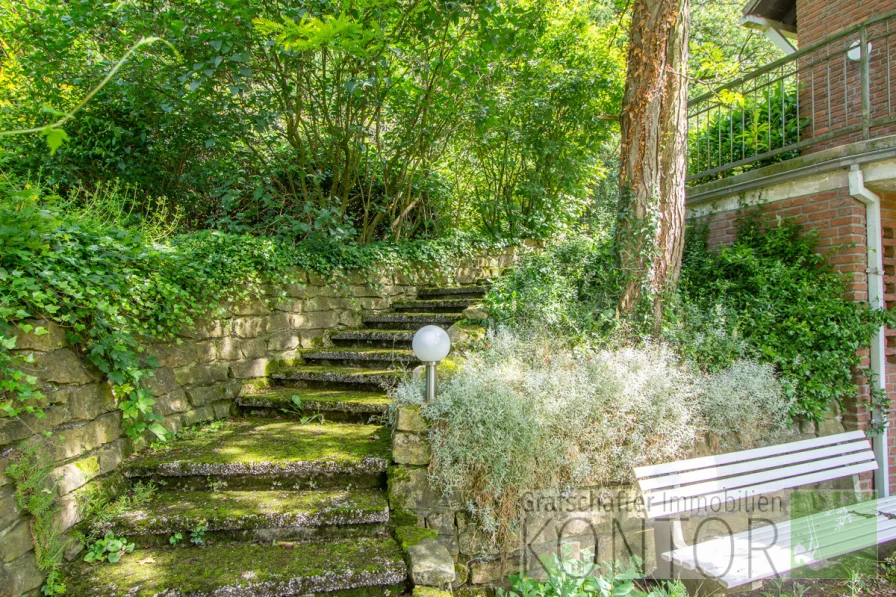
pixel 650 235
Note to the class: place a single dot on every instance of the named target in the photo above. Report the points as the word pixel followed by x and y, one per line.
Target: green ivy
pixel 113 289
pixel 773 295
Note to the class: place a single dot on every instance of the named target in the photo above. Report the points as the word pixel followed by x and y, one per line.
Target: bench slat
pixel 771 534
pixel 667 508
pixel 771 562
pixel 766 533
pixel 732 457
pixel 781 472
pixel 733 568
pixel 752 465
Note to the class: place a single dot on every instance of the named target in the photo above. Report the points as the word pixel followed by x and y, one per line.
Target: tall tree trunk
pixel 650 234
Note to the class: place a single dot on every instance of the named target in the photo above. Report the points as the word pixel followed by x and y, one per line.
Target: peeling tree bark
pixel 650 235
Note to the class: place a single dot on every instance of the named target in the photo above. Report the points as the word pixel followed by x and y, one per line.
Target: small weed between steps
pixel 99 508
pixel 109 548
pixel 194 431
pixel 296 407
pixel 197 535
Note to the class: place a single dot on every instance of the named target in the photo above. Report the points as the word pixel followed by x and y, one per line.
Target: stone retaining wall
pixel 197 381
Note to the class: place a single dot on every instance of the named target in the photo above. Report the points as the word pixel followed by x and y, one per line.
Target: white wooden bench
pixel 677 488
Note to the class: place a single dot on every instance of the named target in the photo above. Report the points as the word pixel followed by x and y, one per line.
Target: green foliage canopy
pixel 345 120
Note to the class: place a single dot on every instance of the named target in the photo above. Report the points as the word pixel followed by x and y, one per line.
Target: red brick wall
pixel 831 90
pixel 817 19
pixel 840 222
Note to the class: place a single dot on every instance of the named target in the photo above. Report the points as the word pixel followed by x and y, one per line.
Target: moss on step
pixel 421 305
pixel 430 592
pixel 362 354
pixel 439 290
pixel 338 374
pixel 319 399
pixel 264 446
pixel 399 517
pixel 413 317
pixel 408 536
pixel 170 512
pixel 247 570
pixel 379 335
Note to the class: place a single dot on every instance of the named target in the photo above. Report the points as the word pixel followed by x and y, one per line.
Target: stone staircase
pixel 290 504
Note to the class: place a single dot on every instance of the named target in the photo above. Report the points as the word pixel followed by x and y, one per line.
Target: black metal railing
pixel 835 91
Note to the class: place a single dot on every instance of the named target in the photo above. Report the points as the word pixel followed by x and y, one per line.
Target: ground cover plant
pixel 114 288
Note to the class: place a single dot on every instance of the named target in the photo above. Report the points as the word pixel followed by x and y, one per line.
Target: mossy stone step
pixel 453 292
pixel 255 515
pixel 322 374
pixel 410 321
pixel 258 452
pixel 434 305
pixel 362 356
pixel 342 405
pixel 374 337
pixel 371 566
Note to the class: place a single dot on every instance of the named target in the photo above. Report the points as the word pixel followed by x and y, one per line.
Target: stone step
pixel 452 305
pixel 337 377
pixel 335 405
pixel 384 338
pixel 453 292
pixel 410 321
pixel 358 567
pixel 266 453
pixel 369 357
pixel 255 516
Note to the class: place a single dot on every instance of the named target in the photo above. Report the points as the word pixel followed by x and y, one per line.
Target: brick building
pixel 813 137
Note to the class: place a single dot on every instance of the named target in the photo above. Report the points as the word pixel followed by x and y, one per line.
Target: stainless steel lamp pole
pixel 431 344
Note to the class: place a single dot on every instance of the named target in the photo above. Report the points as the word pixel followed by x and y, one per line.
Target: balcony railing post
pixel 866 82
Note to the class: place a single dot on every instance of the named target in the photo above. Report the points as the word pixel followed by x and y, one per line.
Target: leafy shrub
pixel 528 413
pixel 744 127
pixel 784 300
pixel 367 137
pixel 567 288
pixel 745 401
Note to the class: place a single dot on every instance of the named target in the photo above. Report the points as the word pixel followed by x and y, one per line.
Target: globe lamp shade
pixel 431 344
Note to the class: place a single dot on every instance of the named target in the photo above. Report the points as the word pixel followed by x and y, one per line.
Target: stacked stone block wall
pixel 198 378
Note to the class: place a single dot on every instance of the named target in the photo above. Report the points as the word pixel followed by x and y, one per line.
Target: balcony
pixel 830 94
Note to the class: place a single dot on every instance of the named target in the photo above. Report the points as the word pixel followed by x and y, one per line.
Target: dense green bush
pixel 112 288
pixel 568 288
pixel 781 302
pixel 745 127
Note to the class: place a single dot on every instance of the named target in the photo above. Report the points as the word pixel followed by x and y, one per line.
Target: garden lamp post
pixel 431 344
